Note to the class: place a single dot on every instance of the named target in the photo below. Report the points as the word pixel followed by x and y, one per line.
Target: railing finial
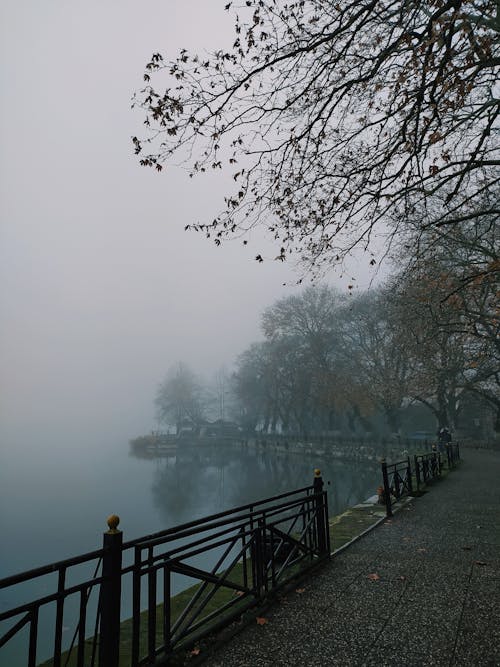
pixel 317 472
pixel 113 522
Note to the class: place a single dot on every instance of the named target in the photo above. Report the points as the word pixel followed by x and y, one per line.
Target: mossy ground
pixel 354 521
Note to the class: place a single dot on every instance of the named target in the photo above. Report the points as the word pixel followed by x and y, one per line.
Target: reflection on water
pixel 202 480
pixel 58 511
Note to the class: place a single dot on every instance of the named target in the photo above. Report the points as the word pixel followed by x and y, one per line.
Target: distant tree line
pixel 332 361
pixel 340 122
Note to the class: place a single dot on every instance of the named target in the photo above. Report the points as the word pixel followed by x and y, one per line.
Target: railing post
pixel 110 599
pixel 387 488
pixel 397 490
pixel 417 471
pixel 257 553
pixel 321 519
pixel 438 465
pixel 259 558
pixel 408 473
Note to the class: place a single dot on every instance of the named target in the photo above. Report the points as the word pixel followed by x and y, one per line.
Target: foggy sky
pixel 101 290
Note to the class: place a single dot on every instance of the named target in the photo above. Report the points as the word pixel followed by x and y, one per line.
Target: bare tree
pixel 334 117
pixel 468 251
pixel 375 353
pixel 454 276
pixel 254 384
pixel 305 337
pixel 180 397
pixel 309 318
pixel 437 348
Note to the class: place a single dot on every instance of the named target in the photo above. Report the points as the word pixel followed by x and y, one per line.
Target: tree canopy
pixel 336 119
pixel 329 362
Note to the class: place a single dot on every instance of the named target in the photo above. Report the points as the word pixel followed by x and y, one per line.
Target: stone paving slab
pixel 436 601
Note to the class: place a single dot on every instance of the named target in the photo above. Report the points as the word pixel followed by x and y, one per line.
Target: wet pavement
pixel 421 589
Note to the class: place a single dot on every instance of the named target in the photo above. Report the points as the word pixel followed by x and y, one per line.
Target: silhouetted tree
pixel 375 353
pixel 334 116
pixel 180 397
pixel 454 275
pixel 254 386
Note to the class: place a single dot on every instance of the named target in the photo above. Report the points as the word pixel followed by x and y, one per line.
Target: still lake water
pixel 54 507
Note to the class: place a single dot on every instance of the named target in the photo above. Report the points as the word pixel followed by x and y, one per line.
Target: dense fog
pixel 155 374
pixel 101 288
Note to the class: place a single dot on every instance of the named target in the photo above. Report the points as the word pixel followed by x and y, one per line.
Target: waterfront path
pixel 421 589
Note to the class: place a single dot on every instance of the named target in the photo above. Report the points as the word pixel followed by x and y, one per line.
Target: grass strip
pixel 177 605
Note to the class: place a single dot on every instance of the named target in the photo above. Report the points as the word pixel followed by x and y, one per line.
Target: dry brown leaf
pixel 300 590
pixel 195 651
pixel 261 620
pixel 239 593
pixel 373 577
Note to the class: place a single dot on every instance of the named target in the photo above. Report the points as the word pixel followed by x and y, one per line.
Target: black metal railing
pixel 397 481
pixel 223 564
pixel 398 477
pixel 72 589
pixel 427 468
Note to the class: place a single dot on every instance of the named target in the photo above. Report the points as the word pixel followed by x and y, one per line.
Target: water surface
pixel 55 506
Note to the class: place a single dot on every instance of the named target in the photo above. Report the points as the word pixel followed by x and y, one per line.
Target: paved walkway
pixel 435 599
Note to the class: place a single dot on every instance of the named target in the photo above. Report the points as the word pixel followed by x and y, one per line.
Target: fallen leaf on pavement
pixel 373 577
pixel 422 550
pixel 261 620
pixel 195 651
pixel 300 590
pixel 480 562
